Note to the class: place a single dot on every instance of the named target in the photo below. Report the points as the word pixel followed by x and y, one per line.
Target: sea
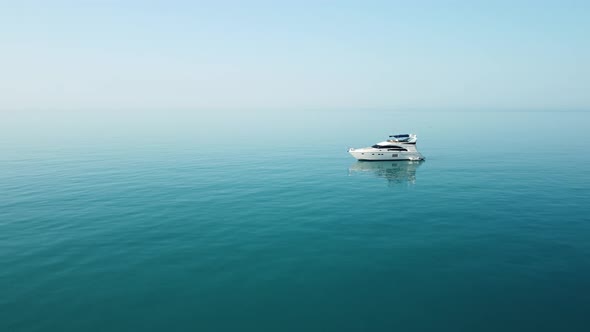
pixel 261 221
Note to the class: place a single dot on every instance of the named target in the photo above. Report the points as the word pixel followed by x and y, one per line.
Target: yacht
pixel 397 147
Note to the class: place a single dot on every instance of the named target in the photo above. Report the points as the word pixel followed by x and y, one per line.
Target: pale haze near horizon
pixel 314 55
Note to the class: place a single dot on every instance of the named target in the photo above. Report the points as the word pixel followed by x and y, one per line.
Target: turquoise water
pixel 263 222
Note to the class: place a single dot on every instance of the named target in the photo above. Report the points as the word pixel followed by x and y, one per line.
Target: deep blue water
pixel 263 222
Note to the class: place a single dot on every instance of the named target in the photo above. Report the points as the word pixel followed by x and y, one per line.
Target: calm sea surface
pixel 262 222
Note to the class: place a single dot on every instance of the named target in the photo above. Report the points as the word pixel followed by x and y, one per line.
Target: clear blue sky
pixel 289 55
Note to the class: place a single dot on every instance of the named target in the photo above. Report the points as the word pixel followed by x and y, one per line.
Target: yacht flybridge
pixel 397 147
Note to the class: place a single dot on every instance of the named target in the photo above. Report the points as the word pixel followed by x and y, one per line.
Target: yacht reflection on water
pixel 396 172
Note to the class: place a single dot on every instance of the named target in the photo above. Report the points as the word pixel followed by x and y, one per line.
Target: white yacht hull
pixel 372 154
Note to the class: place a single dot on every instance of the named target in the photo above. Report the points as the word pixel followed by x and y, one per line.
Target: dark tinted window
pixel 389 147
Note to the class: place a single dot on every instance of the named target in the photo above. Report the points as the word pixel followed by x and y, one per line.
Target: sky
pixel 294 55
